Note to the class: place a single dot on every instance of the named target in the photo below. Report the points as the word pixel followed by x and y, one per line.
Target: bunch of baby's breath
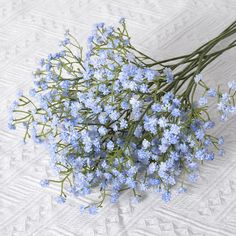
pixel 114 118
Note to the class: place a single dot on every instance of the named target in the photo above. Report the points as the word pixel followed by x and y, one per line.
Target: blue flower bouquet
pixel 114 119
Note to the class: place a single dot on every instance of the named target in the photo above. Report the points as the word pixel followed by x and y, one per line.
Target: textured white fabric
pixel 30 30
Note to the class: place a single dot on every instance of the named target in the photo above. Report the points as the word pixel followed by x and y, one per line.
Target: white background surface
pixel 30 30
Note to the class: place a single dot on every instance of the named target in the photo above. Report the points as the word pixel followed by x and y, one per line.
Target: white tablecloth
pixel 31 29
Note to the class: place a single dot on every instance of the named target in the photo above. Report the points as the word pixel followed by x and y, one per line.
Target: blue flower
pixel 48 67
pixel 82 208
pixel 200 154
pixel 102 118
pixel 192 177
pixel 200 134
pixel 132 171
pixel 114 115
pixel 207 142
pixel 154 182
pixel 211 92
pixel 42 62
pixel 108 109
pixel 143 155
pixel 169 75
pixel 210 156
pixel 146 144
pixel 152 168
pixel 44 183
pixel 221 152
pixel 209 125
pixel 176 102
pixel 182 190
pixel 138 131
pixel 166 196
pixel 110 145
pixel 123 124
pixel 150 74
pixel 13 105
pixel 174 129
pixel 102 130
pixel 11 126
pixel 175 112
pixel 156 107
pixel 32 92
pixel 131 182
pixel 135 200
pixel 221 141
pixel 150 124
pixel 143 88
pixel 92 209
pixel 114 197
pixel 124 105
pixel 65 42
pixel 60 199
pixel 162 122
pixel 167 97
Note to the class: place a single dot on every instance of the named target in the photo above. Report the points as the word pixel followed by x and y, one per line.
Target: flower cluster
pixel 111 119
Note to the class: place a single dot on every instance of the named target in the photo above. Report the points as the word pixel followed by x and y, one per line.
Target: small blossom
pixel 123 124
pixel 135 200
pixel 44 183
pixel 156 107
pixel 166 196
pixel 221 141
pixel 221 152
pixel 211 93
pixel 92 209
pixel 146 144
pixel 182 190
pixel 169 75
pixel 82 208
pixel 110 145
pixel 60 199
